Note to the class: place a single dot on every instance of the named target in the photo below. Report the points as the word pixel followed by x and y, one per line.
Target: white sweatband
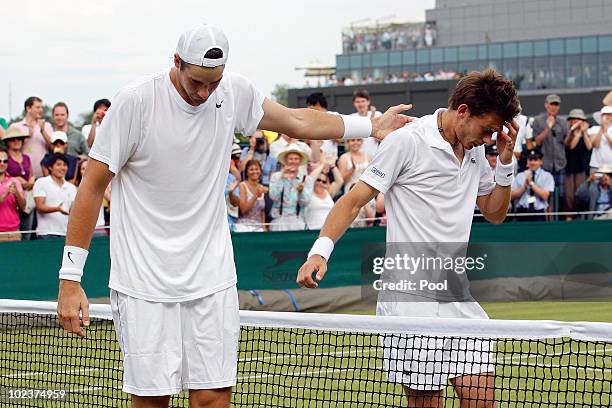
pixel 73 263
pixel 504 173
pixel 323 246
pixel 356 127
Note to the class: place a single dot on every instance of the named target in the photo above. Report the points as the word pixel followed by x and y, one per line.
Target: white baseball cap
pixel 196 42
pixel 59 135
pixel 606 110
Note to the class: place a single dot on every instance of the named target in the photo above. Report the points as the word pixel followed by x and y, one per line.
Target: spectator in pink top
pixel 39 142
pixel 20 168
pixel 11 200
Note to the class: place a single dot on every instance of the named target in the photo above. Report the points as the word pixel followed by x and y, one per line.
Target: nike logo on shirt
pixel 218 105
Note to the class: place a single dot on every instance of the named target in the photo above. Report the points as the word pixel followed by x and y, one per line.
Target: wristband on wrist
pixel 73 263
pixel 356 127
pixel 504 173
pixel 323 246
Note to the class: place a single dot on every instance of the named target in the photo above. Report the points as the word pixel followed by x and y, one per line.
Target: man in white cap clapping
pixel 172 278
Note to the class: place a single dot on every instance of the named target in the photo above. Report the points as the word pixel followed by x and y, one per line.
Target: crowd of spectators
pixel 41 166
pixel 405 76
pixel 277 183
pixel 388 37
pixel 564 168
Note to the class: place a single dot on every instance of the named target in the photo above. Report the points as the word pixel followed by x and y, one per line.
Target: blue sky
pixel 78 51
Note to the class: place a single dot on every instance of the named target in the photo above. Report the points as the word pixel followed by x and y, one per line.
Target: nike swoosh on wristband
pixel 70 253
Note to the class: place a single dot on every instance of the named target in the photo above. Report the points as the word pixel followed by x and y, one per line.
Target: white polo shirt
pixel 429 195
pixel 170 238
pixel 54 223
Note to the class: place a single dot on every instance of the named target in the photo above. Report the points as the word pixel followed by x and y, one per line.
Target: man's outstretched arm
pixel 72 301
pixel 311 124
pixel 337 222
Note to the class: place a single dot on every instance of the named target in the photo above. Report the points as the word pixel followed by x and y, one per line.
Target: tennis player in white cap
pixel 172 278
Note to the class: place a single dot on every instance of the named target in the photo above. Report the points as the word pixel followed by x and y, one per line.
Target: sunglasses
pixel 4 161
pixel 322 181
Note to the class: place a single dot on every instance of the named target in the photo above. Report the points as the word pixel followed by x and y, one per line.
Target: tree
pixel 280 94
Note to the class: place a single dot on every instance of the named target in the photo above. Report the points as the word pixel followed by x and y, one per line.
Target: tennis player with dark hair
pixel 172 278
pixel 432 173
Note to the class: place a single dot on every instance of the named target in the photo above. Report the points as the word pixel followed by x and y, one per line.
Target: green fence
pixel 28 269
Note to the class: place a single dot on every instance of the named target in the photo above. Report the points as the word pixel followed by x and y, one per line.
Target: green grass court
pixel 299 368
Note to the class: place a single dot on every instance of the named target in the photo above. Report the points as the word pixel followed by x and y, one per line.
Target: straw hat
pixel 293 148
pixel 14 132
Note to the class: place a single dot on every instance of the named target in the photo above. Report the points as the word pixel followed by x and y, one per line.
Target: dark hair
pixel 30 101
pixel 486 92
pixel 361 93
pixel 55 157
pixel 60 105
pixel 252 162
pixel 4 150
pixel 101 102
pixel 316 98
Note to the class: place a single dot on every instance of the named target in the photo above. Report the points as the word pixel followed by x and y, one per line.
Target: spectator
pixel 3 127
pixel 77 145
pixel 601 136
pixel 290 190
pixel 532 188
pixel 59 143
pixel 284 141
pixel 491 155
pixel 11 201
pixel 39 142
pixel 232 194
pixel 524 141
pixel 322 201
pixel 596 192
pixel 54 197
pixel 258 150
pixel 550 132
pixel 353 163
pixel 100 223
pixel 577 147
pixel 317 101
pixel 361 102
pixel 20 167
pixel 607 100
pixel 251 202
pixel 99 110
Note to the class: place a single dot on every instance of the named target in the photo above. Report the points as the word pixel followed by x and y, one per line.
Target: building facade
pixel 540 44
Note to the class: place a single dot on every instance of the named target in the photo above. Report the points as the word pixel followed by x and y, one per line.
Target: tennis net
pixel 318 360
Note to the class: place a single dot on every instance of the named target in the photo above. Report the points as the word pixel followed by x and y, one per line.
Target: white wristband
pixel 323 246
pixel 504 173
pixel 73 263
pixel 356 127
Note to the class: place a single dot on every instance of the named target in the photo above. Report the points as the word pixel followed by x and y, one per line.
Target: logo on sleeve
pixel 378 172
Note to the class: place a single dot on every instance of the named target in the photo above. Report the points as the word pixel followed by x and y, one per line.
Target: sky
pixel 76 51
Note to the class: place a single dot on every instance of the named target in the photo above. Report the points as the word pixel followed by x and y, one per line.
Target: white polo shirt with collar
pixel 55 223
pixel 429 195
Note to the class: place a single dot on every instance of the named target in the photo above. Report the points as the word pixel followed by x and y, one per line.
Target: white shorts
pixel 170 347
pixel 421 362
